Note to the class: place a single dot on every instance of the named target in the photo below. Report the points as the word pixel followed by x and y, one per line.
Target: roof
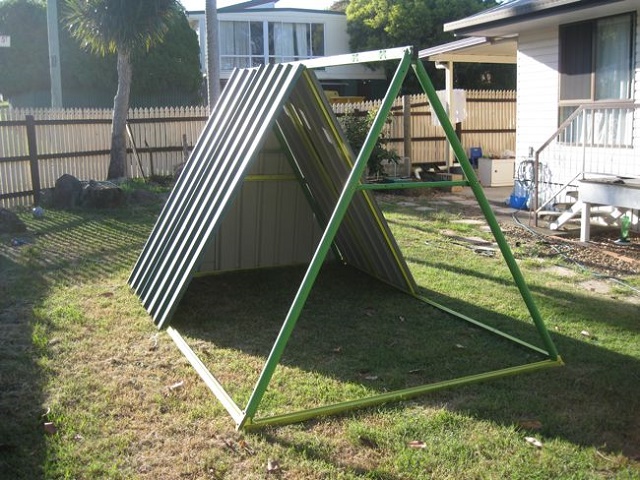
pixel 473 50
pixel 515 11
pixel 246 5
pixel 286 100
pixel 258 5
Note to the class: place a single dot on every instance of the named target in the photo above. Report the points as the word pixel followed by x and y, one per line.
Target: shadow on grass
pixel 63 248
pixel 22 442
pixel 358 337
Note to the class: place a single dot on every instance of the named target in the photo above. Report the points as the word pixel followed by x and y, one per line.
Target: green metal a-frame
pixel 407 61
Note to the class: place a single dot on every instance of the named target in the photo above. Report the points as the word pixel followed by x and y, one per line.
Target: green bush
pixel 356 126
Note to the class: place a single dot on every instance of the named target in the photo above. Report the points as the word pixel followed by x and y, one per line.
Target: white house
pixel 256 32
pixel 578 85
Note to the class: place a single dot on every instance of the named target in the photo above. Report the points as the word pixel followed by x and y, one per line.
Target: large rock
pixel 68 192
pixel 10 223
pixel 144 197
pixel 102 195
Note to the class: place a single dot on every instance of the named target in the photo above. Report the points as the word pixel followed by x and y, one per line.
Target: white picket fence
pixel 77 141
pixel 490 124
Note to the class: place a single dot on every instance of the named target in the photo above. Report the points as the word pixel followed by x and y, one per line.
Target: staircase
pixel 594 141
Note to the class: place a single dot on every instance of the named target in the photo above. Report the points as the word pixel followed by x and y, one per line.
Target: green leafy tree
pixel 169 72
pixel 375 24
pixel 123 27
pixel 172 67
pixel 339 6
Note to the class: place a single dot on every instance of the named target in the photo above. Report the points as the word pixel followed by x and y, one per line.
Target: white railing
pixel 595 140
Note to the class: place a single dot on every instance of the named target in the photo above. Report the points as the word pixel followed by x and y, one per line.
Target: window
pixel 243 45
pixel 596 64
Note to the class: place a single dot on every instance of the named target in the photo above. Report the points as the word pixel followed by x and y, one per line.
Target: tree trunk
pixel 213 52
pixel 117 164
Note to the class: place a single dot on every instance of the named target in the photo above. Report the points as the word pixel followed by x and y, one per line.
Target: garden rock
pixel 10 223
pixel 102 195
pixel 143 197
pixel 67 193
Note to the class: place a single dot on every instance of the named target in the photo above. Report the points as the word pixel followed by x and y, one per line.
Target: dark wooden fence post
pixel 33 158
pixel 408 134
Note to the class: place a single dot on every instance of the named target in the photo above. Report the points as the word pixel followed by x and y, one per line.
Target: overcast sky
pixel 310 4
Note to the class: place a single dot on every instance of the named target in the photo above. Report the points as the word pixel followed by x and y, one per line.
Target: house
pixel 577 87
pixel 257 32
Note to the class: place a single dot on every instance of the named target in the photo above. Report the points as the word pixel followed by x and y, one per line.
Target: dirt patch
pixel 602 255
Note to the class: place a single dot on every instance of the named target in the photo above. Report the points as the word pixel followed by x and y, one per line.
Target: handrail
pixel 602 105
pixel 582 108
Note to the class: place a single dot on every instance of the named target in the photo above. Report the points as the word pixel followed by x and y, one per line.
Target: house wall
pixel 537 113
pixel 335 35
pixel 537 82
pixel 335 32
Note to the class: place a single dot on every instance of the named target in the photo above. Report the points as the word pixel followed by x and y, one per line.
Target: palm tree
pixel 122 27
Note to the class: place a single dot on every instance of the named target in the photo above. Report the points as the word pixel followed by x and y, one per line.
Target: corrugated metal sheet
pixel 321 152
pixel 269 224
pixel 232 208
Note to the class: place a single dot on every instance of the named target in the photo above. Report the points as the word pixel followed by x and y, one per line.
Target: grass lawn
pixel 90 389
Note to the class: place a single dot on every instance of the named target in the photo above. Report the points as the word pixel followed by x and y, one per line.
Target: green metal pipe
pixel 211 382
pixel 450 133
pixel 482 325
pixel 405 185
pixel 394 396
pixel 327 239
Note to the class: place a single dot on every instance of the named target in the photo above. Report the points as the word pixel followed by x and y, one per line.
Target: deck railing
pixel 596 139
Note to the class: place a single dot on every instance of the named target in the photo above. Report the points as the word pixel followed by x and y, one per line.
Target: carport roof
pixel 473 50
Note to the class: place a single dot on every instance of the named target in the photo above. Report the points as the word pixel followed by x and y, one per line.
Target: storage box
pixel 496 172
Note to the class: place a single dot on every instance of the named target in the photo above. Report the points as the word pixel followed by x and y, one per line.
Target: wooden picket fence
pixel 37 146
pixel 490 124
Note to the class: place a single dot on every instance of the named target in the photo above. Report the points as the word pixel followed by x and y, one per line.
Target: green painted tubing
pixel 481 325
pixel 214 385
pixel 450 133
pixel 395 396
pixel 405 185
pixel 327 239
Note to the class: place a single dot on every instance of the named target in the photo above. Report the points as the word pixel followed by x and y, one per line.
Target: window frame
pixel 268 56
pixel 576 102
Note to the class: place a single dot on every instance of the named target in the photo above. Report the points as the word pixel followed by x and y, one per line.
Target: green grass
pixel 78 350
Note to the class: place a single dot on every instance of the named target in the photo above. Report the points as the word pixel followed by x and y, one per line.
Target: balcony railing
pixel 596 139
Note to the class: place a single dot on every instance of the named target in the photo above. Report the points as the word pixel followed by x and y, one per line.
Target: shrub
pixel 356 126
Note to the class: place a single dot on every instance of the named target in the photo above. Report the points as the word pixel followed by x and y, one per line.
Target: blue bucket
pixel 519 203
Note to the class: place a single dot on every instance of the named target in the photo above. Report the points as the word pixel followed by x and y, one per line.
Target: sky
pixel 310 4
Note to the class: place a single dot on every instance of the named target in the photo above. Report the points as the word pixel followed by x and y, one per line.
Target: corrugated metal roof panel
pixel 321 151
pixel 288 101
pixel 232 138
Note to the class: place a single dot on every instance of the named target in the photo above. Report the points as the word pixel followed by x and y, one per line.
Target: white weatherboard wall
pixel 537 112
pixel 537 97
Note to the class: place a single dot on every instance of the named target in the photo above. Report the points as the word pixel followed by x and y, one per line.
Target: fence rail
pixel 37 146
pixel 489 123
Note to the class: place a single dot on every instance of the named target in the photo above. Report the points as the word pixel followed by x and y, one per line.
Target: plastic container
pixel 519 197
pixel 519 203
